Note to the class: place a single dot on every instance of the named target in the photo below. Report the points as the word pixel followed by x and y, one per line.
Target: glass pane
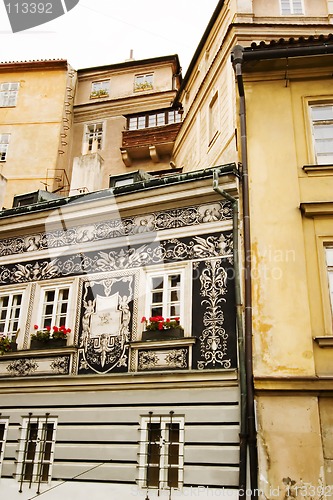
pixel 157 283
pixel 323 131
pixel 175 311
pixel 173 477
pixel 175 296
pixel 153 476
pixel 329 256
pixel 156 311
pixel 2 431
pixel 45 472
pixel 174 280
pixel 157 297
pixel 322 112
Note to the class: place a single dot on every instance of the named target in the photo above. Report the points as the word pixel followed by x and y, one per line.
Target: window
pixel 213 118
pixel 329 262
pixel 94 137
pixel 36 449
pixel 291 7
pixel 3 434
pixel 161 454
pixel 55 306
pixel 100 89
pixel 166 295
pixel 10 309
pixel 8 94
pixel 154 120
pixel 143 82
pixel 4 142
pixel 322 130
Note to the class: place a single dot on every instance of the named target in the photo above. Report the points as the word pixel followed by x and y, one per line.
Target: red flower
pixel 160 325
pixel 143 319
pixel 36 327
pixel 167 320
pixel 55 328
pixel 48 328
pixel 68 330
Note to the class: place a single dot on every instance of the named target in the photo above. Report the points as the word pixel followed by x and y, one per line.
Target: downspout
pixel 237 60
pixel 240 336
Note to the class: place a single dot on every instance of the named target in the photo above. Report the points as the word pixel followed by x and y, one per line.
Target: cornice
pixel 317 208
pixel 312 384
pixel 122 382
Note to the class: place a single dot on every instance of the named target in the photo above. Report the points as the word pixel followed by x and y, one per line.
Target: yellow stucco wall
pixel 35 124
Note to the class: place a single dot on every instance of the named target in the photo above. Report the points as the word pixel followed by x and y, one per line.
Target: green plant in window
pixel 143 86
pixel 5 344
pixel 99 93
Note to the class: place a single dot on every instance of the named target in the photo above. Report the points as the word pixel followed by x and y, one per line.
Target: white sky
pixel 99 32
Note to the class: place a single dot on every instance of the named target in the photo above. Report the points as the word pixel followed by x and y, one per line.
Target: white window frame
pixel 184 304
pixel 8 94
pixel 322 158
pixel 291 7
pixel 8 331
pixel 5 422
pixel 164 466
pixel 57 317
pixel 93 137
pixel 144 81
pixel 4 144
pixel 39 444
pixel 102 87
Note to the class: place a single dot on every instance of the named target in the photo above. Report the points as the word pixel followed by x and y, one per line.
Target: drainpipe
pixel 237 60
pixel 240 336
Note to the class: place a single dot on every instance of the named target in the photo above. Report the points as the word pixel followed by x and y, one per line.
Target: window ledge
pixel 316 208
pixel 318 170
pixel 153 344
pixel 324 341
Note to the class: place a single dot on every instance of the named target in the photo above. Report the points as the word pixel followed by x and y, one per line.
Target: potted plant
pixel 6 345
pixel 158 328
pixel 99 93
pixel 55 336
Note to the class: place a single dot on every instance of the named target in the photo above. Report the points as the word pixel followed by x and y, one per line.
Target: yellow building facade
pixel 36 112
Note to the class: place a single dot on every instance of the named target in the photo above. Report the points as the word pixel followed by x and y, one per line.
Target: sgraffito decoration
pixel 114 228
pixel 213 317
pixel 106 324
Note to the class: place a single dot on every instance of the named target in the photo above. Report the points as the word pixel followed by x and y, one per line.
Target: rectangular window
pixel 3 434
pixel 291 7
pixel 36 449
pixel 143 82
pixel 4 143
pixel 55 307
pixel 8 94
pixel 10 311
pixel 161 463
pixel 100 89
pixel 94 137
pixel 166 295
pixel 154 120
pixel 322 130
pixel 329 262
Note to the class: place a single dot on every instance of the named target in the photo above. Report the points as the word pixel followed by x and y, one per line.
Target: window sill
pixel 318 170
pixel 324 341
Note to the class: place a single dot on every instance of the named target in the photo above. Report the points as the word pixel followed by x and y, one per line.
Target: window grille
pixel 36 450
pixel 161 455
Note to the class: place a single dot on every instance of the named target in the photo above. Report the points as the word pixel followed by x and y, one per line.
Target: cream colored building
pixel 36 112
pixel 123 121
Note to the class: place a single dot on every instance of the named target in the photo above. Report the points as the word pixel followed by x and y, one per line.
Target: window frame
pixel 6 291
pixel 153 120
pixel 8 95
pixel 146 84
pixel 291 8
pixel 100 88
pixel 163 465
pixel 97 142
pixel 5 422
pixel 47 319
pixel 329 268
pixel 4 146
pixel 320 123
pixel 36 474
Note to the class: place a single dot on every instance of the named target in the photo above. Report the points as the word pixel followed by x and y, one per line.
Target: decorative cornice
pixel 324 341
pixel 293 384
pixel 316 208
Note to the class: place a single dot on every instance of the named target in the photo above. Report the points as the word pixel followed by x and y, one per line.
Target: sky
pixel 101 32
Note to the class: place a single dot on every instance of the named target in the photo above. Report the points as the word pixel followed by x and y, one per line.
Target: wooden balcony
pixel 154 143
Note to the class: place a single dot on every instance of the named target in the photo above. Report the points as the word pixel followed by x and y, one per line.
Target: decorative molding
pixel 42 363
pixel 318 170
pixel 116 228
pixel 163 359
pixel 136 256
pixel 324 341
pixel 316 209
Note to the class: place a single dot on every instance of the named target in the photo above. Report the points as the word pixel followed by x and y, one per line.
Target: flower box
pixel 167 334
pixel 50 344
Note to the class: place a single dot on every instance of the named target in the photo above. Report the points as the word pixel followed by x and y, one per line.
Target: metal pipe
pixel 240 336
pixel 237 60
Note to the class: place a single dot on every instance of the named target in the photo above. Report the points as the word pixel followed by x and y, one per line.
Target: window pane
pixel 157 282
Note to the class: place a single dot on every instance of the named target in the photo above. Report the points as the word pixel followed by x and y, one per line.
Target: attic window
pixel 100 89
pixel 291 7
